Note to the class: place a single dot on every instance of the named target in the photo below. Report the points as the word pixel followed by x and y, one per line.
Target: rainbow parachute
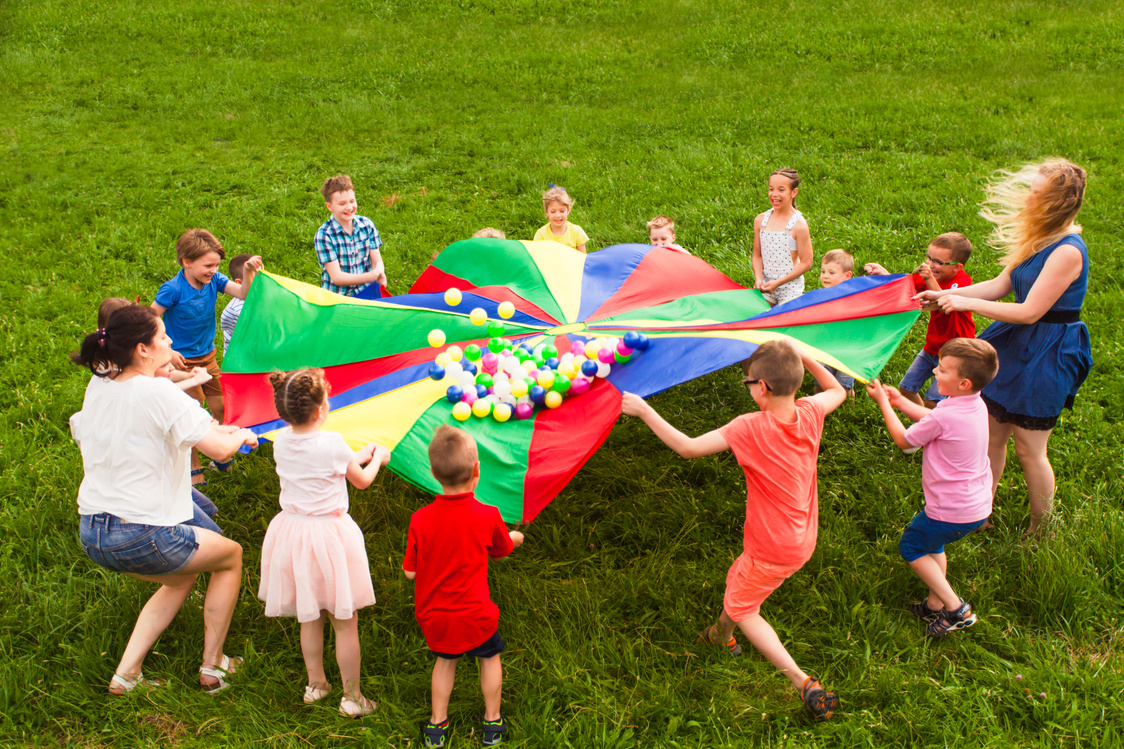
pixel 376 357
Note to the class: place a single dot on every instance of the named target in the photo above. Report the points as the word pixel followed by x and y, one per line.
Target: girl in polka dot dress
pixel 782 246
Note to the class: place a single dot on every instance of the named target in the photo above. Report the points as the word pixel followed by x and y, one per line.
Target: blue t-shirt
pixel 189 313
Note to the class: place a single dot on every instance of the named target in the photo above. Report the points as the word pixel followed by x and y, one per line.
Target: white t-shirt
pixel 227 320
pixel 136 438
pixel 313 469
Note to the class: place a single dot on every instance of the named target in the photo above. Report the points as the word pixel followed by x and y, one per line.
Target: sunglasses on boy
pixel 933 261
pixel 750 383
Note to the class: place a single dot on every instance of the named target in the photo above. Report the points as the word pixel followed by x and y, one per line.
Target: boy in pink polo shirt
pixel 955 472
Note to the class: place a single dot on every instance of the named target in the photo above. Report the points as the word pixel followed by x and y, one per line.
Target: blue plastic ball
pixel 538 393
pixel 589 367
pixel 481 391
pixel 630 338
pixel 641 343
pixel 552 362
pixel 468 366
pixel 454 393
pixel 436 372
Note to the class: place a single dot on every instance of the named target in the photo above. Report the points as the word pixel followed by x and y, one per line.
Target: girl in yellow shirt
pixel 557 204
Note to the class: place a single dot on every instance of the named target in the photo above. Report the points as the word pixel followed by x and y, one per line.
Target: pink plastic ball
pixel 577 348
pixel 605 355
pixel 524 411
pixel 469 397
pixel 490 362
pixel 579 385
pixel 623 350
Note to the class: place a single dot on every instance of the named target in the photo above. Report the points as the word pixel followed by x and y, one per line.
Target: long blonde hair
pixel 1025 223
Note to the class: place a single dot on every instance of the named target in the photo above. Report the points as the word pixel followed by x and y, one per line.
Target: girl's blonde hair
pixel 298 395
pixel 557 195
pixel 1026 223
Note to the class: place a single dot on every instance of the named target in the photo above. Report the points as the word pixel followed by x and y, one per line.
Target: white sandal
pixel 126 684
pixel 217 672
pixel 313 693
pixel 353 709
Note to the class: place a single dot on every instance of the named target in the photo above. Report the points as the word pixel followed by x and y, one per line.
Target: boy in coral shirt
pixel 447 552
pixel 778 448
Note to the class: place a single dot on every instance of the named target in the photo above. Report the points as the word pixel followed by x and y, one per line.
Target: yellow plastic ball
pixel 546 379
pixel 519 387
pixel 455 353
pixel 453 297
pixel 591 350
pixel 553 399
pixel 481 407
pixel 506 310
pixel 444 359
pixel 567 369
pixel 501 413
pixel 478 316
pixel 436 338
pixel 462 411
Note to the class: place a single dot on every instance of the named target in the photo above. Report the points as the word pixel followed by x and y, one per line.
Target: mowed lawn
pixel 123 124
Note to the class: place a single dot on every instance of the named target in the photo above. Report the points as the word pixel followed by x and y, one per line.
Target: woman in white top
pixel 135 432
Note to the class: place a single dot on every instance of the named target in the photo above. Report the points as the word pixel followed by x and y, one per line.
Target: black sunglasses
pixel 747 384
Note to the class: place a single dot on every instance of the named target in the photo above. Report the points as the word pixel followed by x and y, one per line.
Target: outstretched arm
pixel 375 457
pixel 239 289
pixel 893 424
pixel 833 393
pixel 687 447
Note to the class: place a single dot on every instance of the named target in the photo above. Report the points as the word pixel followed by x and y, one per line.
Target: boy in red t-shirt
pixel 447 554
pixel 943 269
pixel 777 449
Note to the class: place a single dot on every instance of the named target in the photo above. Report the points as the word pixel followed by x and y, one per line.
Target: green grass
pixel 123 124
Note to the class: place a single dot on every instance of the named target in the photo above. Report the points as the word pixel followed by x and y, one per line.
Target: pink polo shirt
pixel 955 471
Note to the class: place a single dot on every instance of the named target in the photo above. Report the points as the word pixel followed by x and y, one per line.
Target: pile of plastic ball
pixel 507 380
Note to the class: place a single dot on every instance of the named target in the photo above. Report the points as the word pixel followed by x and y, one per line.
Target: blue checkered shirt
pixel 353 251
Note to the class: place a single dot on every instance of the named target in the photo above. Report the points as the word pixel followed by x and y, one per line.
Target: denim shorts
pixel 924 536
pixel 920 372
pixel 490 647
pixel 846 380
pixel 132 547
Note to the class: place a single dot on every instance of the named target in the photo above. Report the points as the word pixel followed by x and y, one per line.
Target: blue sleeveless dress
pixel 1041 365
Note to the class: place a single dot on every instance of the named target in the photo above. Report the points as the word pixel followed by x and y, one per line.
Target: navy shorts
pixel 133 547
pixel 926 536
pixel 492 646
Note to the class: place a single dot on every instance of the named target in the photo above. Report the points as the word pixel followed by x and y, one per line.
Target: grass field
pixel 124 124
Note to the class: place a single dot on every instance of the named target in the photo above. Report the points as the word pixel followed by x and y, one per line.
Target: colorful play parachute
pixel 376 356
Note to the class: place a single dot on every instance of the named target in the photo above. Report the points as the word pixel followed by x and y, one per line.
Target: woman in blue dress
pixel 1044 351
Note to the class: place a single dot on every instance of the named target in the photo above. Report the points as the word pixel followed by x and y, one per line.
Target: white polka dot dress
pixel 777 248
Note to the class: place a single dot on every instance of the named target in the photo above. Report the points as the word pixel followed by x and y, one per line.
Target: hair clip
pixel 555 187
pixel 101 335
pixel 137 299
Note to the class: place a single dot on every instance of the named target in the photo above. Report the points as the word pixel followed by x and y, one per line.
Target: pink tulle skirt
pixel 314 563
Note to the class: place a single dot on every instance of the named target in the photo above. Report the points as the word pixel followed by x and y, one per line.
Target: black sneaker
pixel 950 621
pixel 820 702
pixel 494 731
pixel 921 610
pixel 434 736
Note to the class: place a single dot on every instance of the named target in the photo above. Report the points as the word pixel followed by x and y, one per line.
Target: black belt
pixel 1060 316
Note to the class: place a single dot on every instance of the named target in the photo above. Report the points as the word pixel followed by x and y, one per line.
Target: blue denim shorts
pixel 920 372
pixel 490 647
pixel 924 536
pixel 846 380
pixel 132 547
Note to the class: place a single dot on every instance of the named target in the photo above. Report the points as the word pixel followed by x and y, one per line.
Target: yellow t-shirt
pixel 573 237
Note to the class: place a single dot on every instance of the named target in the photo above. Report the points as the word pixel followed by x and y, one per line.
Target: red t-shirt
pixel 782 500
pixel 944 326
pixel 448 547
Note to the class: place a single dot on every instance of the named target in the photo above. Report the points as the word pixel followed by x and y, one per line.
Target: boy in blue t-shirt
pixel 187 303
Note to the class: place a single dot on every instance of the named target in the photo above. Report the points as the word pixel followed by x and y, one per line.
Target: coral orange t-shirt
pixel 782 501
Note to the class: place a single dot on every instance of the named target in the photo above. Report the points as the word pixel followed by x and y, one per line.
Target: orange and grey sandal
pixel 708 636
pixel 820 702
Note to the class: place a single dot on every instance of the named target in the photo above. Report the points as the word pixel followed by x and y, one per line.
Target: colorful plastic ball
pixel 495 329
pixel 591 349
pixel 454 393
pixel 566 369
pixel 605 355
pixel 579 386
pixel 545 378
pixel 549 351
pixel 472 352
pixel 529 366
pixel 484 379
pixel 641 343
pixel 603 369
pixel 496 345
pixel 467 381
pixel 436 338
pixel 577 348
pixel 506 310
pixel 552 362
pixel 553 399
pixel 455 352
pixel 630 338
pixel 502 388
pixel 469 367
pixel 519 388
pixel 478 316
pixel 470 396
pixel 443 359
pixel 524 411
pixel 527 347
pixel 462 411
pixel 537 393
pixel 561 385
pixel 622 358
pixel 501 412
pixel 623 350
pixel 482 408
pixel 589 367
pixel 490 362
pixel 453 369
pixel 481 390
pixel 538 360
pixel 453 297
pixel 436 372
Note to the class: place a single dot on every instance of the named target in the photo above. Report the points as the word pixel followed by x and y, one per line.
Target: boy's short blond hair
pixel 557 195
pixel 489 233
pixel 979 362
pixel 108 306
pixel 195 243
pixel 452 456
pixel 660 222
pixel 332 185
pixel 842 258
pixel 778 363
pixel 956 243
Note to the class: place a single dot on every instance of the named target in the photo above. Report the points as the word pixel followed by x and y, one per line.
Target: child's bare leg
pixel 1030 447
pixel 444 671
pixel 214 403
pixel 912 397
pixel 312 648
pixel 491 683
pixel 762 636
pixel 348 655
pixel 931 569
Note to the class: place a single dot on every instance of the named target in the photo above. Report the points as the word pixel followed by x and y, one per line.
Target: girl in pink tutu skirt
pixel 313 562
